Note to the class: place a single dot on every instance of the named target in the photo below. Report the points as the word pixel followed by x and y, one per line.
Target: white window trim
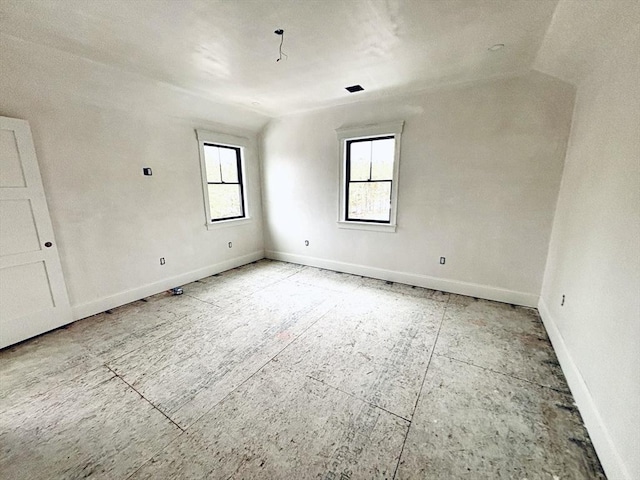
pixel 366 131
pixel 206 136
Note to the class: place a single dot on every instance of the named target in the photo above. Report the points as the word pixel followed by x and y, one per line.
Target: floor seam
pixel 145 398
pixel 110 360
pixel 260 368
pixel 183 430
pixel 566 392
pixel 157 452
pixel 240 297
pixel 424 378
pixel 203 301
pixel 359 398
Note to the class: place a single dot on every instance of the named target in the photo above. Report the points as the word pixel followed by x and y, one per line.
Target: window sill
pixel 228 223
pixel 372 227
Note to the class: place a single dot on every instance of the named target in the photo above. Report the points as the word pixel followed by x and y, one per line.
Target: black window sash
pixel 239 182
pixel 349 181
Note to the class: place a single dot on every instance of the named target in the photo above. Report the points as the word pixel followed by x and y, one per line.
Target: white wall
pixel 94 129
pixel 594 259
pixel 479 174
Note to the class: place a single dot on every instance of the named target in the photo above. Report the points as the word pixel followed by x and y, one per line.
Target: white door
pixel 33 295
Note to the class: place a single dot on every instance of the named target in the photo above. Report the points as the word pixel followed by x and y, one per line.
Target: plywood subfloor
pixel 280 371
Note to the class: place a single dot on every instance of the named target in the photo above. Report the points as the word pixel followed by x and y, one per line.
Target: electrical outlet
pixel 162 261
pixel 306 243
pixel 442 260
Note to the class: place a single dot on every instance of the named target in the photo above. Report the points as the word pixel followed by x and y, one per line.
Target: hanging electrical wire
pixel 280 32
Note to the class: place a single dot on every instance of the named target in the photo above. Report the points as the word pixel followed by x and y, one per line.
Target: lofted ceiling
pixel 225 51
pixel 583 33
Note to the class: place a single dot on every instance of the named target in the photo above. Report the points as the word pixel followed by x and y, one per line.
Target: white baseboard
pixel 434 283
pixel 605 448
pixel 113 301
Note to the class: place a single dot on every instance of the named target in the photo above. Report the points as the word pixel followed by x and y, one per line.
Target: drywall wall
pixel 95 128
pixel 480 171
pixel 594 259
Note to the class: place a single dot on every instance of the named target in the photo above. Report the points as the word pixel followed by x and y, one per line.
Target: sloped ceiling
pixel 225 51
pixel 582 33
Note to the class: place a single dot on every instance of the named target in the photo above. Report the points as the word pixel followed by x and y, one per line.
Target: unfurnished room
pixel 320 239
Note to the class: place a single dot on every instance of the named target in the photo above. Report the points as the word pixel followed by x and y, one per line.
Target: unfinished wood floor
pixel 278 371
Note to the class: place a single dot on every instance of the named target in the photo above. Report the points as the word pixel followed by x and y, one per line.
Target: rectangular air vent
pixel 354 88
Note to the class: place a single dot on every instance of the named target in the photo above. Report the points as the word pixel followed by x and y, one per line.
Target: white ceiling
pixel 582 33
pixel 225 51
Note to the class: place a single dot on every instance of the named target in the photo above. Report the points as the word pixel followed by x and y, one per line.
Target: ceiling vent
pixel 354 88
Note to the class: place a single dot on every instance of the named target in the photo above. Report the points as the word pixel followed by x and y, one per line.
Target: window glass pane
pixel 212 163
pixel 370 201
pixel 225 201
pixel 229 164
pixel 382 159
pixel 360 160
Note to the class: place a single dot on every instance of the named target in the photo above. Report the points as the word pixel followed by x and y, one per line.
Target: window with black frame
pixel 369 179
pixel 223 165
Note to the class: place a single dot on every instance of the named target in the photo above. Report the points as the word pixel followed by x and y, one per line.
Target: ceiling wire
pixel 280 32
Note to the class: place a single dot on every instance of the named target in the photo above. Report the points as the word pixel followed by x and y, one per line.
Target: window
pixel 224 182
pixel 221 160
pixel 369 160
pixel 369 172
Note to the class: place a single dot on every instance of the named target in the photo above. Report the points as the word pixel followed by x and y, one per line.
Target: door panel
pixel 18 233
pixel 10 166
pixel 33 295
pixel 25 291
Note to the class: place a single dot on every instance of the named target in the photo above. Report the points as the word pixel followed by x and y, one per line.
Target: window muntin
pixel 369 179
pixel 225 189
